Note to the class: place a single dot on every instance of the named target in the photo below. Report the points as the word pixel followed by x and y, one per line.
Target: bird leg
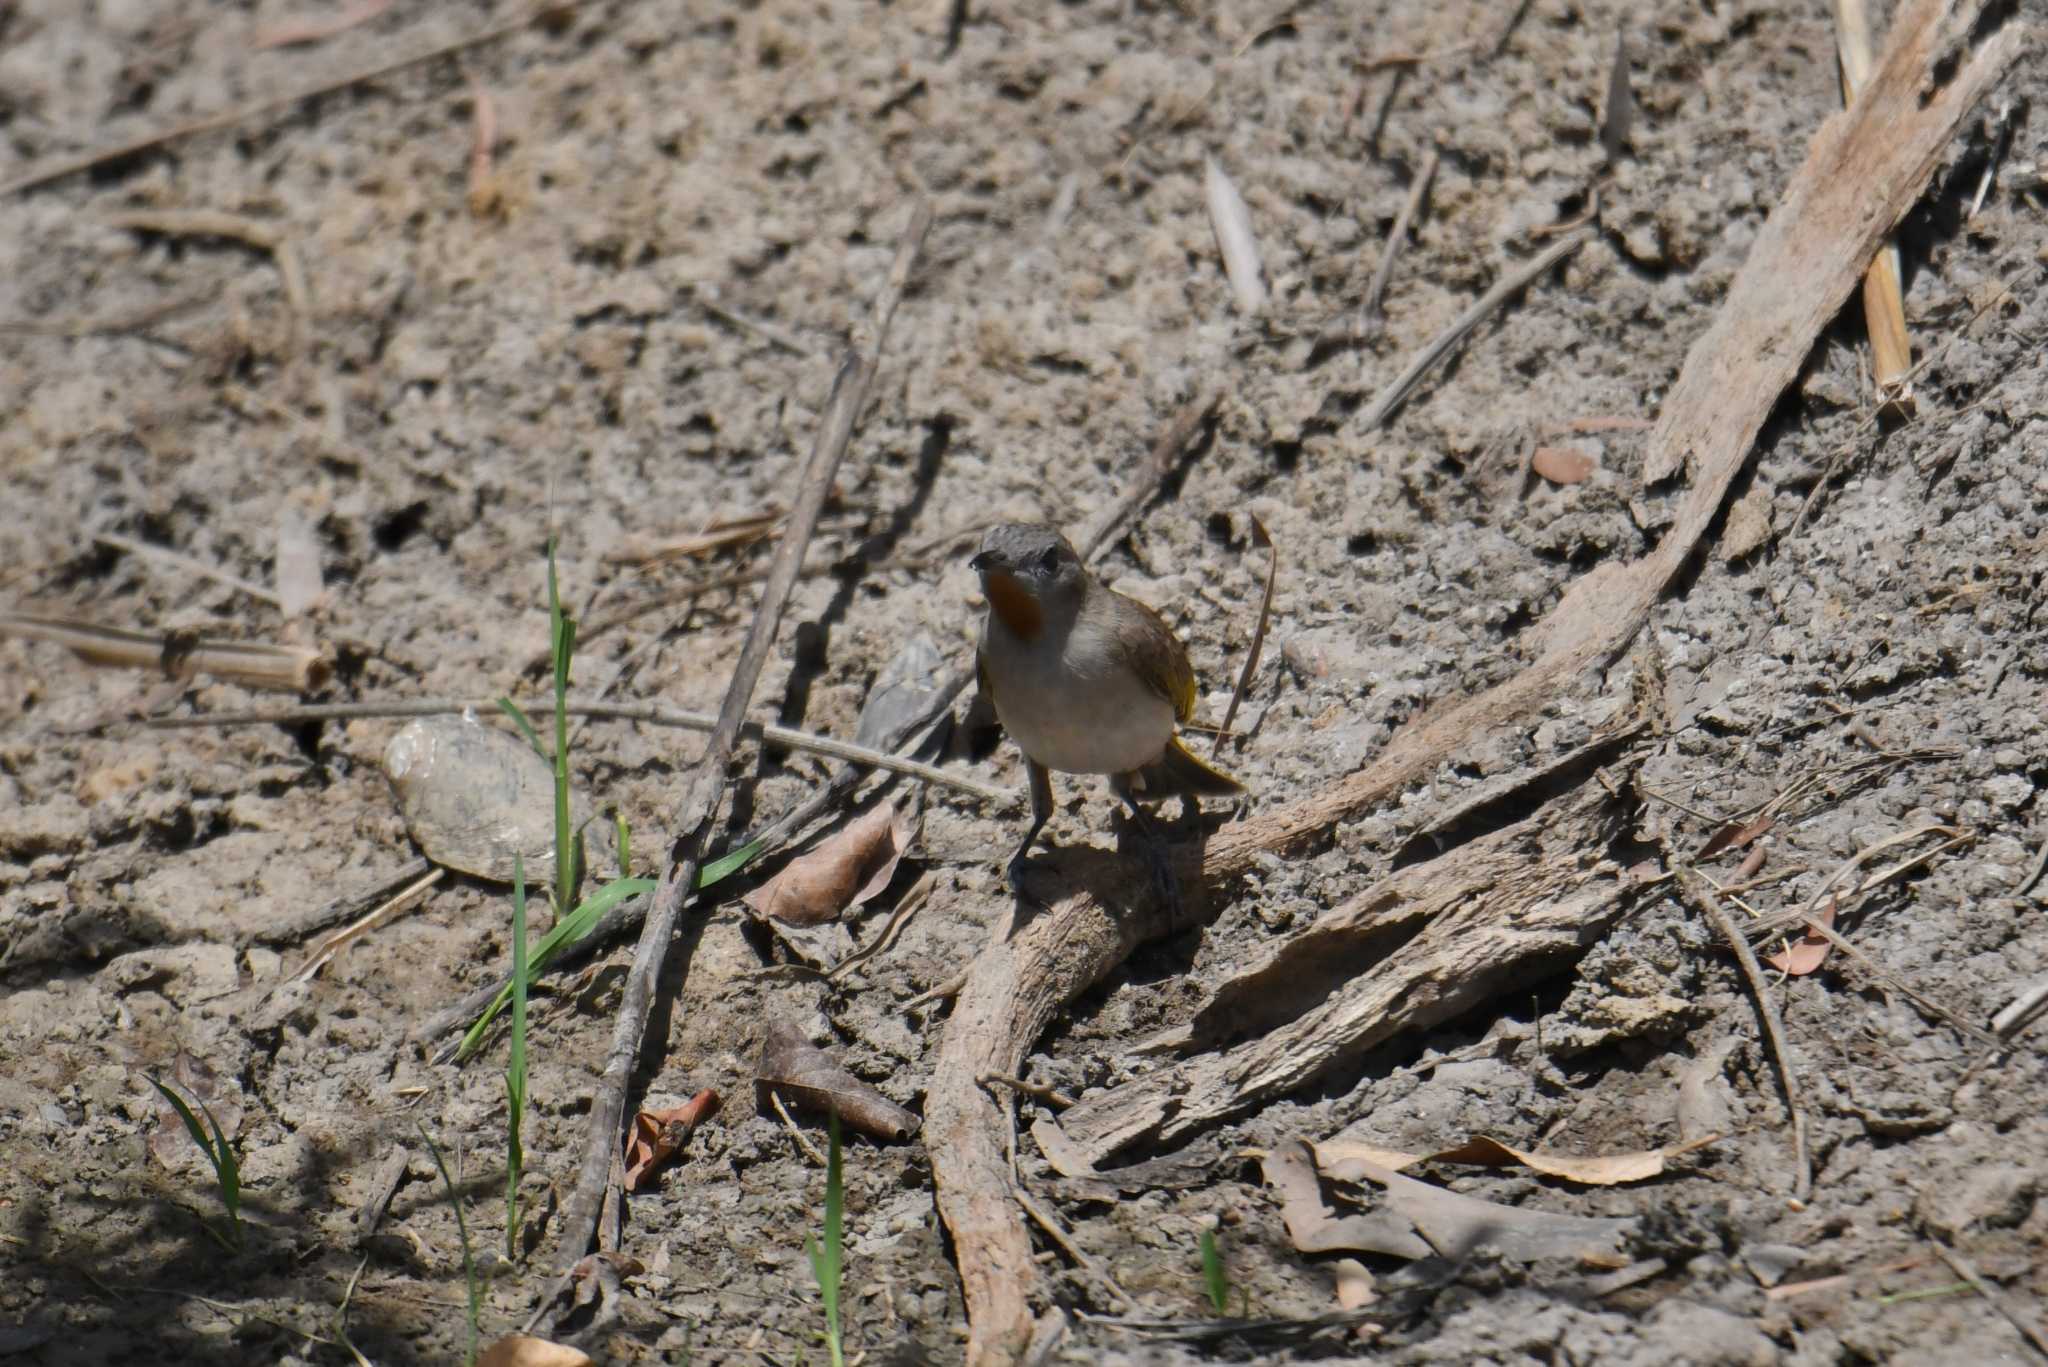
pixel 1041 812
pixel 1163 881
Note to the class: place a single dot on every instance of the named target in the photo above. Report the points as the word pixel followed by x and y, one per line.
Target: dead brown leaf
pixel 1810 951
pixel 658 1134
pixel 1562 464
pixel 1350 1161
pixel 805 1076
pixel 523 1350
pixel 1734 837
pixel 844 872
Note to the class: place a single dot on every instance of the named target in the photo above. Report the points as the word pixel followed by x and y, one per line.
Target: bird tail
pixel 1177 773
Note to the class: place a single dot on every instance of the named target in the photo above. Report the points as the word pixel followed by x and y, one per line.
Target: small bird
pixel 1086 681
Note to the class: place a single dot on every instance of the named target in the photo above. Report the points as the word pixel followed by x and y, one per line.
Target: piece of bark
pixel 806 1077
pixel 1803 264
pixel 1414 950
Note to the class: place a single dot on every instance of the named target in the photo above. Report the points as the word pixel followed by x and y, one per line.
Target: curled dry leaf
pixel 1733 837
pixel 805 1077
pixel 658 1134
pixel 845 871
pixel 523 1350
pixel 1810 951
pixel 1350 1161
pixel 1562 464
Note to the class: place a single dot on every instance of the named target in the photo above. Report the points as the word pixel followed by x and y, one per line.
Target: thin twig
pixel 795 1133
pixel 1158 465
pixel 382 913
pixel 1251 657
pixel 1967 1270
pixel 1369 316
pixel 57 168
pixel 694 814
pixel 1889 979
pixel 265 237
pixel 179 654
pixel 1774 1030
pixel 1506 288
pixel 142 550
pixel 653 714
pixel 1044 1091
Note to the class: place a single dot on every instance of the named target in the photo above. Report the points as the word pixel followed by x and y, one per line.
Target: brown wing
pixel 1149 646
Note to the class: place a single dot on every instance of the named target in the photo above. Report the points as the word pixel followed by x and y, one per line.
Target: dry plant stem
pixel 694 815
pixel 1369 316
pixel 796 1135
pixel 1506 288
pixel 1258 645
pixel 1805 262
pixel 1884 307
pixel 330 946
pixel 1774 1029
pixel 653 714
pixel 1967 1270
pixel 1158 465
pixel 142 550
pixel 291 668
pixel 57 168
pixel 262 236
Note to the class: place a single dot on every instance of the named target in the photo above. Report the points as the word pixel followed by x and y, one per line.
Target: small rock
pixel 1769 1263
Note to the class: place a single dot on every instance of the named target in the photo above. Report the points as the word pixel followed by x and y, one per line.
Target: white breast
pixel 1071 705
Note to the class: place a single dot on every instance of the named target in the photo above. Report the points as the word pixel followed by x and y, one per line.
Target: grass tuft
pixel 227 1169
pixel 828 1255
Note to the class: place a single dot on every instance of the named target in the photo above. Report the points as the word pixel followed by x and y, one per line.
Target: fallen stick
pixel 1805 262
pixel 1507 287
pixel 694 814
pixel 652 714
pixel 179 654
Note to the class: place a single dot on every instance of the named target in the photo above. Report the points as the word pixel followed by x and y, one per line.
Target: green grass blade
pixel 572 927
pixel 828 1256
pixel 192 1126
pixel 1213 1277
pixel 468 1260
pixel 228 1169
pixel 579 922
pixel 727 864
pixel 561 649
pixel 515 1065
pixel 525 727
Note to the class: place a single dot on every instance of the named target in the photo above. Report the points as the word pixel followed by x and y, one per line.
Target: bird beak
pixel 983 563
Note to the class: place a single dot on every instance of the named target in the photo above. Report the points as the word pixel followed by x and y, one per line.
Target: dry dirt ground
pixel 626 324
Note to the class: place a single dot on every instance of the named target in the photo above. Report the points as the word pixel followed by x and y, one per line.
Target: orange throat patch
pixel 1015 607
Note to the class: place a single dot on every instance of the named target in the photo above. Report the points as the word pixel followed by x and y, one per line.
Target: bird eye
pixel 1049 561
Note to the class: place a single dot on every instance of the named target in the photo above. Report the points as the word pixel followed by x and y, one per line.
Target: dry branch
pixel 1863 171
pixel 694 815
